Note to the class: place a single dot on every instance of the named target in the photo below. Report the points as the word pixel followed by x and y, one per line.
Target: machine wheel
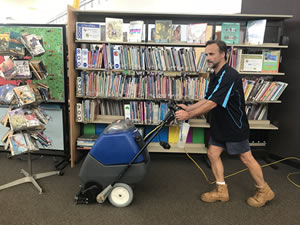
pixel 121 195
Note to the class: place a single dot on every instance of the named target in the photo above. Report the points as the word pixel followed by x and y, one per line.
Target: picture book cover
pixel 6 94
pixel 271 59
pixel 32 44
pixel 23 70
pixel 196 33
pixel 136 29
pixel 114 29
pixel 163 31
pixel 176 33
pixel 7 69
pixel 255 32
pixel 24 95
pixel 88 31
pixel 18 144
pixel 230 33
pixel 15 45
pixel 4 39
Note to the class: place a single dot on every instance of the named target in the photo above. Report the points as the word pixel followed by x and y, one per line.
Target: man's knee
pixel 247 158
pixel 214 152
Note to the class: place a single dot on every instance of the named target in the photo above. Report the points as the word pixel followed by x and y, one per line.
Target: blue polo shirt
pixel 228 120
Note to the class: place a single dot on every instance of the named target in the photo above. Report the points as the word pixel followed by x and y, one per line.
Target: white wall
pixel 173 6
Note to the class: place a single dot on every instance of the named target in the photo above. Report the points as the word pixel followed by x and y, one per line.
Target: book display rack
pixel 112 76
pixel 22 90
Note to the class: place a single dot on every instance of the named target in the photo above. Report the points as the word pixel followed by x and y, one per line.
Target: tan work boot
pixel 261 196
pixel 220 193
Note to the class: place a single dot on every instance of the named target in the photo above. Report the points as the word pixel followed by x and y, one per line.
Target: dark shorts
pixel 233 148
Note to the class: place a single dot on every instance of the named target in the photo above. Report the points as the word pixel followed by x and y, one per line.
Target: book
pixel 22 119
pixel 39 69
pixel 176 33
pixel 136 30
pixel 24 95
pixel 163 31
pixel 18 144
pixel 255 32
pixel 23 69
pixel 33 44
pixel 6 94
pixel 4 42
pixel 35 90
pixel 198 135
pixel 7 69
pixel 271 59
pixel 173 134
pixel 114 29
pixel 196 33
pixel 251 62
pixel 15 45
pixel 88 31
pixel 230 33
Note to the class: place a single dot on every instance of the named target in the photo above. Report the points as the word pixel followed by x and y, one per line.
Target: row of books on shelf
pixel 144 112
pixel 196 135
pixel 87 110
pixel 22 69
pixel 168 134
pixel 254 61
pixel 165 31
pixel 24 94
pixel 17 43
pixel 257 112
pixel 126 57
pixel 263 90
pixel 154 85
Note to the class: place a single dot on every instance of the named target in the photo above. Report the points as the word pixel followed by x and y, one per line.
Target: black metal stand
pixel 29 177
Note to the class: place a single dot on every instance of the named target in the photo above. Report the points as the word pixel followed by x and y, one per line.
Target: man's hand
pixel 183 106
pixel 182 115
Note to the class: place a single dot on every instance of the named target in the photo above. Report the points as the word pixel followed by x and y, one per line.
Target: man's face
pixel 213 55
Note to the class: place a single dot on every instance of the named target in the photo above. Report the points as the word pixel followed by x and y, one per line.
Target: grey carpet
pixel 169 195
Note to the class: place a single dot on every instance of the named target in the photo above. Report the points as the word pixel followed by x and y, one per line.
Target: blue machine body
pixel 117 146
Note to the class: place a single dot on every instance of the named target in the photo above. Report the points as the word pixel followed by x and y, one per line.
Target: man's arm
pixel 203 107
pixel 193 106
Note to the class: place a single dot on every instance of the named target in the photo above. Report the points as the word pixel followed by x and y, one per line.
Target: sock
pixel 219 182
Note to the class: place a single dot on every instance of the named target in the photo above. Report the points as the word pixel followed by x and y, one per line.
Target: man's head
pixel 215 51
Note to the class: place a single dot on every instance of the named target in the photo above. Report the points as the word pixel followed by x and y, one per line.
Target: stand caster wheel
pixel 61 173
pixel 121 195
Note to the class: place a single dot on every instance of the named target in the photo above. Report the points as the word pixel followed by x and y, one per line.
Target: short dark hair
pixel 221 44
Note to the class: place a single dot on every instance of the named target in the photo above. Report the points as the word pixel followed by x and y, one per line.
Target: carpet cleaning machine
pixel 118 160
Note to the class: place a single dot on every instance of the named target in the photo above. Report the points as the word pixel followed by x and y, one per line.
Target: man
pixel 228 125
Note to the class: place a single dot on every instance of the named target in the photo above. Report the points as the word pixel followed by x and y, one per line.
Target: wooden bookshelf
pixel 149 18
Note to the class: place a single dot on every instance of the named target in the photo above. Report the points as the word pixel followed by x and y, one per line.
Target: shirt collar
pixel 221 70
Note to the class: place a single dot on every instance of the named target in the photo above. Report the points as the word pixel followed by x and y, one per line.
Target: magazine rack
pixel 29 177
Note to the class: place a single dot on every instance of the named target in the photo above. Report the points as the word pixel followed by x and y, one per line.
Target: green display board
pixel 53 59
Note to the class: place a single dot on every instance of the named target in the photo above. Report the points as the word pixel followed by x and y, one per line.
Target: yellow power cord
pixel 240 171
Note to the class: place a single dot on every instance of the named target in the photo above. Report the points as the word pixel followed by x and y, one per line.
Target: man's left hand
pixel 182 115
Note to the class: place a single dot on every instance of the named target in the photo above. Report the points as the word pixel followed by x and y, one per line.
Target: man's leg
pixel 254 168
pixel 263 191
pixel 214 153
pixel 220 193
